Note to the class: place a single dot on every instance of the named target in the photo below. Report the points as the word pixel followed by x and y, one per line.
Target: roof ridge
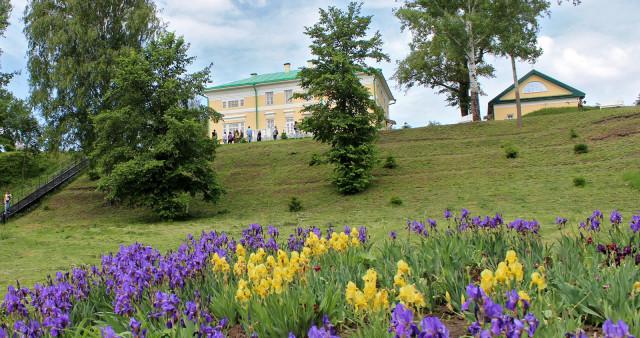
pixel 573 92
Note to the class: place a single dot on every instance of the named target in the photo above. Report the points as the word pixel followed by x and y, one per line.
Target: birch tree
pixel 466 24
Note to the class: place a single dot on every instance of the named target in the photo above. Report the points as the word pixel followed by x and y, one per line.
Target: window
pixel 288 96
pixel 269 96
pixel 232 127
pixel 509 116
pixel 271 123
pixel 233 103
pixel 534 87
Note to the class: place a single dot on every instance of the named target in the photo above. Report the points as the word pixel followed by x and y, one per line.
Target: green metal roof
pixel 264 78
pixel 573 92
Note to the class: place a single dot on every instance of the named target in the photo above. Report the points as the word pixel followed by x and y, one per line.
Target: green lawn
pixel 440 167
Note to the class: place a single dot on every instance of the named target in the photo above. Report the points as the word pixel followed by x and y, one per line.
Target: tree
pixel 151 143
pixel 517 35
pixel 637 103
pixel 72 49
pixel 433 67
pixel 347 119
pixel 463 25
pixel 16 119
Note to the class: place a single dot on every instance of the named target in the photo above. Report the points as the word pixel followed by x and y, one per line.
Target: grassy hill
pixel 440 167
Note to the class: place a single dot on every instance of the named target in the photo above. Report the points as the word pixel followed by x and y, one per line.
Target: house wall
pixel 552 89
pixel 279 111
pixel 502 110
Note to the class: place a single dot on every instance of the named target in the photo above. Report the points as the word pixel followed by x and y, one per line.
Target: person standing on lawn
pixel 275 133
pixel 249 134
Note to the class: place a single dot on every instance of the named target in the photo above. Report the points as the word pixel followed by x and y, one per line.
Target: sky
pixel 590 47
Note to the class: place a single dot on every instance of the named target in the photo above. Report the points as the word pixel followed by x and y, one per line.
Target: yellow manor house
pixel 537 91
pixel 265 102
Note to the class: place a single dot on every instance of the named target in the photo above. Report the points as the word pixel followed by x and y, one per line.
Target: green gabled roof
pixel 573 92
pixel 264 78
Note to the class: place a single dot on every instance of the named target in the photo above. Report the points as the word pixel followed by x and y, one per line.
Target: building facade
pixel 264 102
pixel 537 91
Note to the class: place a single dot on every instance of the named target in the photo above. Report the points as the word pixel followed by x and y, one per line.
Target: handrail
pixel 36 183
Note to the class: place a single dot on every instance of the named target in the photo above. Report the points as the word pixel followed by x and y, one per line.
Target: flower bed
pixel 495 278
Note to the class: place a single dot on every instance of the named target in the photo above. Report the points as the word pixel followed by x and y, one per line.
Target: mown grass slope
pixel 440 167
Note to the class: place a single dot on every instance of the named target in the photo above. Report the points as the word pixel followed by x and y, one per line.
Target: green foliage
pixel 12 163
pixel 510 150
pixel 150 144
pixel 633 179
pixel 637 103
pixel 573 134
pixel 94 175
pixel 316 159
pixel 294 204
pixel 579 181
pixel 581 148
pixel 347 119
pixel 73 46
pixel 395 201
pixel 284 136
pixel 406 126
pixel 390 162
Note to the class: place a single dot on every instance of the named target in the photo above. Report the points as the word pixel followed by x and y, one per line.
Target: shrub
pixel 46 208
pixel 294 204
pixel 390 162
pixel 316 159
pixel 243 140
pixel 581 148
pixel 573 133
pixel 93 175
pixel 510 150
pixel 579 181
pixel 284 136
pixel 395 201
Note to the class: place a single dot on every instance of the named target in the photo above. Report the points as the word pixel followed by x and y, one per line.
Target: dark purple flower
pixel 475 328
pixel 620 330
pixel 615 218
pixel 533 323
pixel 447 214
pixel 394 235
pixel 491 309
pixel 107 332
pixel 465 213
pixel 433 327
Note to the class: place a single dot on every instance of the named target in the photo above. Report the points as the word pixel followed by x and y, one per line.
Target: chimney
pixel 309 63
pixel 287 67
pixel 254 74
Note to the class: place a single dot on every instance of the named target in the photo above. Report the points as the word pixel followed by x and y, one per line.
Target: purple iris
pixel 533 323
pixel 491 309
pixel 107 332
pixel 513 299
pixel 620 330
pixel 394 235
pixel 465 213
pixel 447 214
pixel 634 223
pixel 615 218
pixel 432 327
pixel 475 293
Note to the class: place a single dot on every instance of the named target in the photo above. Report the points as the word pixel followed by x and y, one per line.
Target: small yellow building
pixel 264 102
pixel 537 91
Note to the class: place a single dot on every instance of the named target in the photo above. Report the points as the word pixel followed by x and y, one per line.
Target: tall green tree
pixel 346 118
pixel 517 30
pixel 17 121
pixel 464 25
pixel 439 67
pixel 151 142
pixel 72 49
pixel 637 103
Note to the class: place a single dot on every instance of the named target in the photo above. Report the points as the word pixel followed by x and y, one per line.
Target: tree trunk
pixel 517 89
pixel 463 97
pixel 473 74
pixel 24 160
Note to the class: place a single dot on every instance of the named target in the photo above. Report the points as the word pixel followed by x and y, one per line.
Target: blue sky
pixel 593 47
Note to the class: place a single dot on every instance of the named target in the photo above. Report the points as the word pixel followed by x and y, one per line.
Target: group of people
pixel 236 136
